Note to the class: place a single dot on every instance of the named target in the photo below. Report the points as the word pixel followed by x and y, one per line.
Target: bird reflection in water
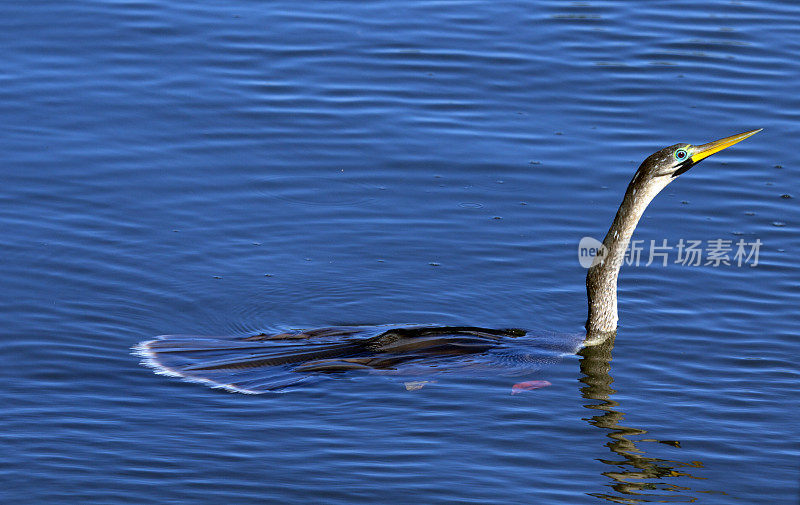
pixel 635 478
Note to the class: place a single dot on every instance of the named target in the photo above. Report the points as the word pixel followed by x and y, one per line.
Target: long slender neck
pixel 601 280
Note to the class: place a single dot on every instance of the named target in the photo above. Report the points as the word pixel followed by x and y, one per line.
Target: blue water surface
pixel 220 168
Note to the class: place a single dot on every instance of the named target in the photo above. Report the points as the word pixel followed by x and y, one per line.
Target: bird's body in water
pixel 273 360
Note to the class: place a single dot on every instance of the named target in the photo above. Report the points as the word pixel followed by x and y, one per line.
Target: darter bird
pixel 271 361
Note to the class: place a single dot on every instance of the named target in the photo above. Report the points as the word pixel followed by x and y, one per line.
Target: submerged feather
pixel 521 387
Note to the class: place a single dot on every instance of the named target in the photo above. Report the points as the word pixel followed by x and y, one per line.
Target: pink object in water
pixel 521 387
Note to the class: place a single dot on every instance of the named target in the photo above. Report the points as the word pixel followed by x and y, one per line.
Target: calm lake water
pixel 222 168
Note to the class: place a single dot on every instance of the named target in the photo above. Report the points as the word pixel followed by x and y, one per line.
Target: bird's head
pixel 662 167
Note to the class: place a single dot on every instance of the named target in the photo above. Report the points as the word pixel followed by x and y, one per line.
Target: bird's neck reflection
pixel 635 477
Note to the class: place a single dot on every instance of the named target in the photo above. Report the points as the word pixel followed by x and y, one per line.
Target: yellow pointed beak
pixel 706 150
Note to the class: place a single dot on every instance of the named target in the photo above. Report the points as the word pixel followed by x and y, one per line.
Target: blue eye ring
pixel 681 155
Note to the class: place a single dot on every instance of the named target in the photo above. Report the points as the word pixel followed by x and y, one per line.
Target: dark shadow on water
pixel 635 477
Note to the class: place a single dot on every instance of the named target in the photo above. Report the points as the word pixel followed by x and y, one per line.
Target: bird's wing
pixel 253 364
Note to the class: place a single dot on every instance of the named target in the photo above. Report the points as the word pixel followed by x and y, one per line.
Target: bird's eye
pixel 681 154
